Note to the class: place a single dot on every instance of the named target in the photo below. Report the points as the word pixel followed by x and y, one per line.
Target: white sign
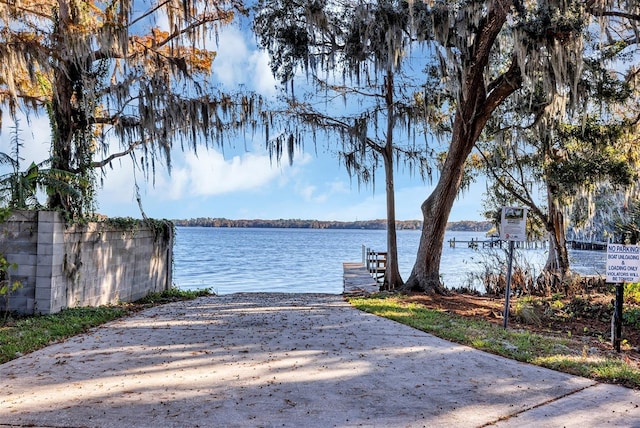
pixel 623 263
pixel 513 225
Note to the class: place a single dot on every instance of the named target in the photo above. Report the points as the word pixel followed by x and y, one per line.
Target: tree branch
pixel 149 12
pixel 527 201
pixel 105 162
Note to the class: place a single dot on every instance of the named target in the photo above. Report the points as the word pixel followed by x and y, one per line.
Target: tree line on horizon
pixel 379 224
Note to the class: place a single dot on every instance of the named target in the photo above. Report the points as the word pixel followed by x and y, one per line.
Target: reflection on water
pixel 230 260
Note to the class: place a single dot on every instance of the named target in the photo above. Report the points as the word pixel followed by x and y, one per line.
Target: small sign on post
pixel 513 227
pixel 623 265
pixel 513 224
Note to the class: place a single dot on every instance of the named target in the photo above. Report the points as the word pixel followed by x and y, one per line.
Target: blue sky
pixel 241 181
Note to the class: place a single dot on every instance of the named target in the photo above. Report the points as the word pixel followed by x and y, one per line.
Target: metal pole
pixel 508 292
pixel 617 317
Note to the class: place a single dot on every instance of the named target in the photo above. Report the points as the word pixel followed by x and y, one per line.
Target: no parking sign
pixel 623 263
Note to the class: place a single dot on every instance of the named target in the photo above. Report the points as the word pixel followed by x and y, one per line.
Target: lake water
pixel 230 260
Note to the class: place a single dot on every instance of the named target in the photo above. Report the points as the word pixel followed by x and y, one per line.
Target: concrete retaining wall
pixel 62 266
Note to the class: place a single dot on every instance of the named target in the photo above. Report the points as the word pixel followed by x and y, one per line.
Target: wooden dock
pixel 358 280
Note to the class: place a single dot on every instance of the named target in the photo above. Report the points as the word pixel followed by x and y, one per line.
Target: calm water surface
pixel 230 260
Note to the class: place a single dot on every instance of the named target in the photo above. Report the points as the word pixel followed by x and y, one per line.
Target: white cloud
pixel 177 182
pixel 210 174
pixel 311 193
pixel 339 186
pixel 240 63
pixel 229 66
pixel 119 183
pixel 307 192
pixel 197 177
pixel 263 79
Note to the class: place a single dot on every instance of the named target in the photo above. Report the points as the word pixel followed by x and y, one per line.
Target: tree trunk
pixel 471 116
pixel 556 271
pixel 62 110
pixel 71 145
pixel 475 104
pixel 425 275
pixel 61 141
pixel 392 279
pixel 558 259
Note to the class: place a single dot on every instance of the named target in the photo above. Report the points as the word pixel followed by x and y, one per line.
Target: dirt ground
pixel 585 319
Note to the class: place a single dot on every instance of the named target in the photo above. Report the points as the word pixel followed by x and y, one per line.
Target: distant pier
pixel 587 245
pixel 530 245
pixel 496 243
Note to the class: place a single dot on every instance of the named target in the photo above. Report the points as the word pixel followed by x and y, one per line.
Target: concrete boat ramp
pixel 289 360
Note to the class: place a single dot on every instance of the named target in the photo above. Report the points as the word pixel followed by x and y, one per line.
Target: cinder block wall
pixel 64 266
pixel 19 245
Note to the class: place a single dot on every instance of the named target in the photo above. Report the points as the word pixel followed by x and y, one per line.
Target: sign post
pixel 616 332
pixel 507 293
pixel 513 227
pixel 623 265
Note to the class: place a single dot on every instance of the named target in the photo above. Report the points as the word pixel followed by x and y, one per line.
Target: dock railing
pixel 375 262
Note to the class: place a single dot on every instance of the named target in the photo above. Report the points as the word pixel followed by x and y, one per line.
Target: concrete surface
pixel 289 360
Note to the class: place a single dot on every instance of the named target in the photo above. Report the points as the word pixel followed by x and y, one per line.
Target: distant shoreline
pixel 380 224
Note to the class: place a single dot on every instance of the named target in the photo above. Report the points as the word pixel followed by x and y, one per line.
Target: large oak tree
pixel 116 78
pixel 498 51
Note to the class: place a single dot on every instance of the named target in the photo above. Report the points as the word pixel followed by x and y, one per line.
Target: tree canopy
pixel 110 74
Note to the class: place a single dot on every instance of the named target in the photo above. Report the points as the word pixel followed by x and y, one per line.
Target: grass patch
pixel 610 370
pixel 548 351
pixel 21 335
pixel 27 334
